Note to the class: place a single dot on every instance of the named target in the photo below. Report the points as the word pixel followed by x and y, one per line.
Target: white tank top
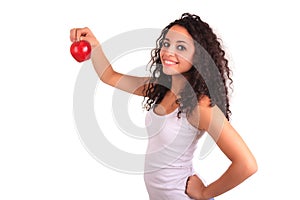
pixel 168 161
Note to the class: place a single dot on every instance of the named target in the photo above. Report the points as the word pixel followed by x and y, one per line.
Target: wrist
pixel 95 45
pixel 97 50
pixel 206 194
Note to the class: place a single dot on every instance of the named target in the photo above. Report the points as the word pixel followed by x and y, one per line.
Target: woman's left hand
pixel 194 188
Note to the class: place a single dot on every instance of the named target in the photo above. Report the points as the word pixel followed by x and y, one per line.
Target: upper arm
pixel 214 122
pixel 128 83
pixel 228 139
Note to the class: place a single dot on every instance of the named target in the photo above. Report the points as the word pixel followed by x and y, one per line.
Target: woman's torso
pixel 168 162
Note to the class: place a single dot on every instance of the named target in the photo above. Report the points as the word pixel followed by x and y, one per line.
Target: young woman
pixel 186 95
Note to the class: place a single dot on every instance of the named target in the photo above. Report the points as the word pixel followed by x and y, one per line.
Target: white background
pixel 41 154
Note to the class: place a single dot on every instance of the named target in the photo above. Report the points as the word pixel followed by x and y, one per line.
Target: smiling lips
pixel 170 63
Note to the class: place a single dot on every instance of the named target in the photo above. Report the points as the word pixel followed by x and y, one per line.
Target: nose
pixel 170 50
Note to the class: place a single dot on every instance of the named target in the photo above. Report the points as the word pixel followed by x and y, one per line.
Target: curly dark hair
pixel 209 76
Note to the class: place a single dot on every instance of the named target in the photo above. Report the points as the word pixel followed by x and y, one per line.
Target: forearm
pixel 106 73
pixel 101 64
pixel 233 176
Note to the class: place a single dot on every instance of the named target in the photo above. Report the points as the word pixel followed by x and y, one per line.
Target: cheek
pixel 187 67
pixel 186 59
pixel 161 53
pixel 190 59
pixel 186 64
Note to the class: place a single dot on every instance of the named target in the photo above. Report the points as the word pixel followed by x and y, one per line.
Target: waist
pixel 168 177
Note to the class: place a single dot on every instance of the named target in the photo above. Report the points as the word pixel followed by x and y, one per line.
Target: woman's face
pixel 177 51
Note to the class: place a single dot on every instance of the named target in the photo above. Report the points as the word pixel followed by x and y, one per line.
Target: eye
pixel 181 47
pixel 166 44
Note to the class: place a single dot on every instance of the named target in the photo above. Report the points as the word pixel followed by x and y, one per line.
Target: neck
pixel 178 83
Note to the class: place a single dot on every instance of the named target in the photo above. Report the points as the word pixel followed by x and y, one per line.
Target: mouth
pixel 169 63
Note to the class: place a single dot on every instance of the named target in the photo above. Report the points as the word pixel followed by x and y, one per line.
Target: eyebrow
pixel 178 41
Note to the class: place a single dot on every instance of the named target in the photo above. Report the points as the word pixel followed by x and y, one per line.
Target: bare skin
pixel 177 55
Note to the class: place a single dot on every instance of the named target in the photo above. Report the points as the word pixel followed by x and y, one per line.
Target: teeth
pixel 170 62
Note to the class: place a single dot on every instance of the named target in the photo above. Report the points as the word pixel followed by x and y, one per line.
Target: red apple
pixel 81 50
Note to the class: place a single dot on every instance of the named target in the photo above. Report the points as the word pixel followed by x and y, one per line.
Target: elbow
pixel 101 78
pixel 245 168
pixel 250 167
pixel 104 79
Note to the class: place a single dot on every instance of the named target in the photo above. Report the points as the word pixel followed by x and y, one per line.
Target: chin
pixel 170 71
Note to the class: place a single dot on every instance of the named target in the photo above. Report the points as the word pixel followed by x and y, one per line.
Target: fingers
pixel 186 185
pixel 77 34
pixel 194 185
pixel 73 34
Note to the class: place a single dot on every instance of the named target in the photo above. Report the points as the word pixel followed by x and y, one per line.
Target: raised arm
pixel 103 68
pixel 243 163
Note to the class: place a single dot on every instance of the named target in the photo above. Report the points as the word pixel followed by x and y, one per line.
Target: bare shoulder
pixel 204 102
pixel 201 115
pixel 208 118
